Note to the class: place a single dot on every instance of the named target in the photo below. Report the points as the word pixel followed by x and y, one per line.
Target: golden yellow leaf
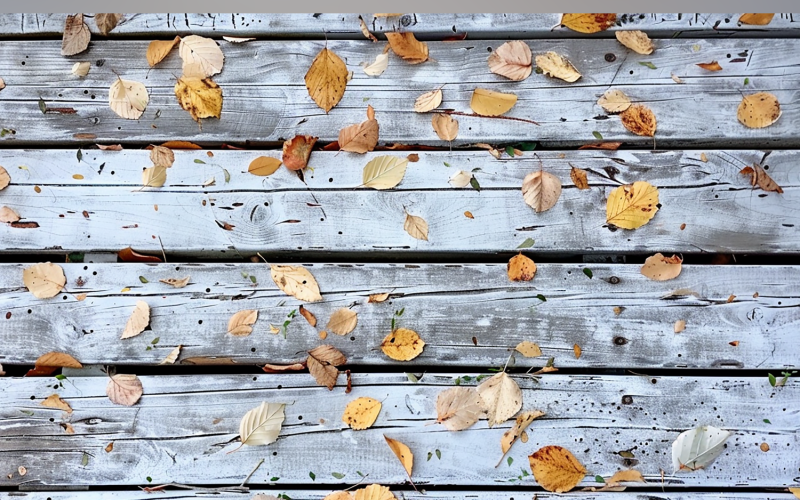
pixel 556 469
pixel 417 227
pixel 55 401
pixel 297 150
pixel 541 190
pixel 127 98
pixel 5 179
pixel 378 297
pixel 322 364
pixel 154 176
pixel 138 321
pixel 264 166
pixel 468 215
pixel 522 422
pixel 759 177
pixel 58 360
pixel 637 41
pixel 712 66
pixel 521 268
pixel 458 408
pixel 326 79
pixel 123 389
pixel 630 476
pixel 639 119
pixel 428 101
pixel 703 158
pixel 202 98
pixel 408 47
pixel 361 137
pixel 501 398
pixel 764 447
pixel 384 172
pixel 528 349
pixel 361 413
pixel 80 297
pixel 201 56
pixel 402 345
pixel 679 326
pixel 76 36
pixel 614 101
pixel 660 268
pixel 402 452
pixel 296 281
pixel 557 66
pixel 512 60
pixel 579 178
pixel 308 315
pixel 446 126
pixel 343 321
pixel 577 350
pixel 490 103
pixel 588 23
pixel 632 205
pixel 44 280
pixel 759 110
pixel 172 357
pixel 241 323
pixel 159 49
pixel 8 214
pixel 374 492
pixel 162 157
pixel 757 20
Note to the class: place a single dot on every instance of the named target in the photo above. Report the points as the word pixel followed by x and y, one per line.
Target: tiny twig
pixel 459 113
pixel 251 473
pixel 223 489
pixel 364 478
pixel 163 254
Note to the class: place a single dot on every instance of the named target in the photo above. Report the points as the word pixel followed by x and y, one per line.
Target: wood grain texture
pixel 449 305
pixel 424 25
pixel 265 98
pixel 183 427
pixel 720 210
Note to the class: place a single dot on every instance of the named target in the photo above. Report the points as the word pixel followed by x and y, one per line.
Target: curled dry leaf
pixel 176 282
pixel 172 357
pixel 378 297
pixel 8 214
pixel 632 205
pixel 201 56
pixel 76 36
pixel 294 367
pixel 679 326
pixel 241 323
pixel 138 321
pixel 264 166
pixel 521 268
pixel 511 435
pixel 55 401
pixel 676 78
pixel 364 30
pixel 296 281
pixel 326 79
pixel 757 20
pixel 308 315
pixel 127 254
pixel 625 476
pixel 490 103
pixel 408 47
pixel 384 172
pixel 588 23
pixel 712 66
pixel 124 389
pixel 697 448
pixel 637 41
pixel 127 98
pixel 377 67
pixel 361 413
pixel 5 179
pixel 528 349
pixel 81 69
pixel 660 268
pixel 416 226
pixel 458 408
pixel 201 98
pixel 501 398
pixel 614 101
pixel 402 452
pixel 556 469
pixel 343 321
pixel 428 101
pixel 322 364
pixel 159 49
pixel 579 178
pixel 541 190
pixel 402 345
pixel 759 110
pixel 44 280
pixel 261 425
pixel 362 137
pixel 373 492
pixel 154 176
pixel 512 60
pixel 162 157
pixel 460 179
pixel 557 66
pixel 106 22
pixel 297 150
pixel 759 177
pixel 639 119
pixel 446 126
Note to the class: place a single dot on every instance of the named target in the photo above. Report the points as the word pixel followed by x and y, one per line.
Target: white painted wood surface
pixel 424 25
pixel 183 427
pixel 265 98
pixel 448 305
pixel 720 210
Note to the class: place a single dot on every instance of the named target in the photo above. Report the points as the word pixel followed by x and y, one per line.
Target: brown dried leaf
pixel 138 321
pixel 556 469
pixel 361 137
pixel 541 190
pixel 44 280
pixel 416 226
pixel 201 98
pixel 521 268
pixel 76 36
pixel 757 20
pixel 57 360
pixel 408 47
pixel 322 364
pixel 610 146
pixel 428 101
pixel 264 166
pixel 110 447
pixel 326 79
pixel 512 60
pixel 588 23
pixel 5 179
pixel 458 408
pixel 446 126
pixel 106 22
pixel 759 177
pixel 308 315
pixel 343 321
pixel 378 297
pixel 162 157
pixel 172 357
pixel 660 268
pixel 54 401
pixel 241 323
pixel 124 389
pixel 640 120
pixel 297 150
pixel 295 367
pixel 579 178
pixel 557 66
pixel 129 255
pixel 759 110
pixel 176 282
pixel 490 103
pixel 712 66
pixel 159 49
pixel 637 41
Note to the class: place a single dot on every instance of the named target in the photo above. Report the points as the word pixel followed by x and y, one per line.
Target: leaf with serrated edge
pixel 445 126
pixel 428 101
pixel 159 49
pixel 106 22
pixel 326 79
pixel 632 205
pixel 127 98
pixel 501 397
pixel 458 408
pixel 261 425
pixel 512 60
pixel 343 321
pixel 177 282
pixel 402 452
pixel 123 389
pixel 296 281
pixel 361 137
pixel 361 413
pixel 588 23
pixel 322 362
pixel 138 321
pixel 557 66
pixel 402 345
pixel 416 226
pixel 697 448
pixel 541 190
pixel 241 323
pixel 521 268
pixel 556 469
pixel 614 101
pixel 637 41
pixel 162 157
pixel 408 47
pixel 201 56
pixel 172 357
pixel 384 172
pixel 44 280
pixel 200 97
pixel 373 492
pixel 522 422
pixel 640 120
pixel 76 36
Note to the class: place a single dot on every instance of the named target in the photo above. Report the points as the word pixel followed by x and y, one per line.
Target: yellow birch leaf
pixel 138 321
pixel 384 172
pixel 588 23
pixel 757 20
pixel 521 268
pixel 402 345
pixel 159 49
pixel 759 110
pixel 417 227
pixel 630 476
pixel 241 323
pixel 556 469
pixel 343 321
pixel 55 401
pixel 632 205
pixel 637 41
pixel 402 452
pixel 446 126
pixel 127 98
pixel 528 349
pixel 44 280
pixel 361 413
pixel 336 495
pixel 201 98
pixel 326 79
pixel 378 297
pixel 408 47
pixel 577 350
pixel 490 103
pixel 501 397
pixel 264 166
pixel 660 268
pixel 296 281
pixel 614 101
pixel 639 119
pixel 374 492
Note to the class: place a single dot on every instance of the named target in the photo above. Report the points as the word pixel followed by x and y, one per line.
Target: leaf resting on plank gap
pixel 556 469
pixel 445 126
pixel 384 172
pixel 361 413
pixel 541 190
pixel 588 23
pixel 297 150
pixel 759 110
pixel 322 364
pixel 241 323
pixel 557 66
pixel 162 157
pixel 402 345
pixel 639 119
pixel 201 98
pixel 408 47
pixel 511 435
pixel 159 49
pixel 637 41
pixel 378 297
pixel 123 389
pixel 261 425
pixel 614 101
pixel 76 36
pixel 127 98
pixel 326 79
pixel 501 397
pixel 296 281
pixel 172 357
pixel 343 321
pixel 201 56
pixel 402 452
pixel 490 103
pixel 756 19
pixel 512 60
pixel 416 226
pixel 458 408
pixel 759 177
pixel 44 280
pixel 361 137
pixel 521 268
pixel 54 401
pixel 660 268
pixel 632 205
pixel 138 321
pixel 428 101
pixel 106 22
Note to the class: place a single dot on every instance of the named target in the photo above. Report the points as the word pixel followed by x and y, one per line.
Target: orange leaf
pixel 759 177
pixel 362 137
pixel 297 150
pixel 712 66
pixel 521 268
pixel 128 255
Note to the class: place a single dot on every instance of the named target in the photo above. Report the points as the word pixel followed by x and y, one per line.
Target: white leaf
pixel 698 448
pixel 139 319
pixel 501 397
pixel 81 68
pixel 262 425
pixel 128 99
pixel 201 56
pixel 379 66
pixel 384 172
pixel 460 179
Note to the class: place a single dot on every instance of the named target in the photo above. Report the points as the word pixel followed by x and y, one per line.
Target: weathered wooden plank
pixel 424 25
pixel 469 315
pixel 720 210
pixel 183 427
pixel 266 99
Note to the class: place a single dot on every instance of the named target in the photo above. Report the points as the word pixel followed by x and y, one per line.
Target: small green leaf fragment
pixel 766 421
pixel 746 81
pixel 648 64
pixel 148 348
pixel 588 272
pixel 541 297
pixel 597 135
pixel 253 279
pixel 626 454
pixel 510 151
pixel 312 476
pixel 61 377
pixel 365 99
pixel 538 70
pixel 475 184
pixel 527 146
pixel 438 454
pixel 27 412
pixel 466 378
pixel 458 381
pixel 143 279
pixel 412 378
pixel 446 164
pixel 197 160
pixel 227 175
pixel 529 242
pixel 430 455
pixel 85 460
pixel 155 340
pixel 273 479
pixel 42 106
pixel 599 479
pixel 149 479
pixel 510 461
pixel 772 379
pixel 337 475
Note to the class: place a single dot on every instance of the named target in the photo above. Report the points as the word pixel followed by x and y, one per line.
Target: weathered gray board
pixel 401 493
pixel 720 210
pixel 183 427
pixel 452 307
pixel 423 25
pixel 266 100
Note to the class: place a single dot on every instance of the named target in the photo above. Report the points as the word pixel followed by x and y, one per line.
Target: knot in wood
pixel 613 280
pixel 626 400
pixel 610 57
